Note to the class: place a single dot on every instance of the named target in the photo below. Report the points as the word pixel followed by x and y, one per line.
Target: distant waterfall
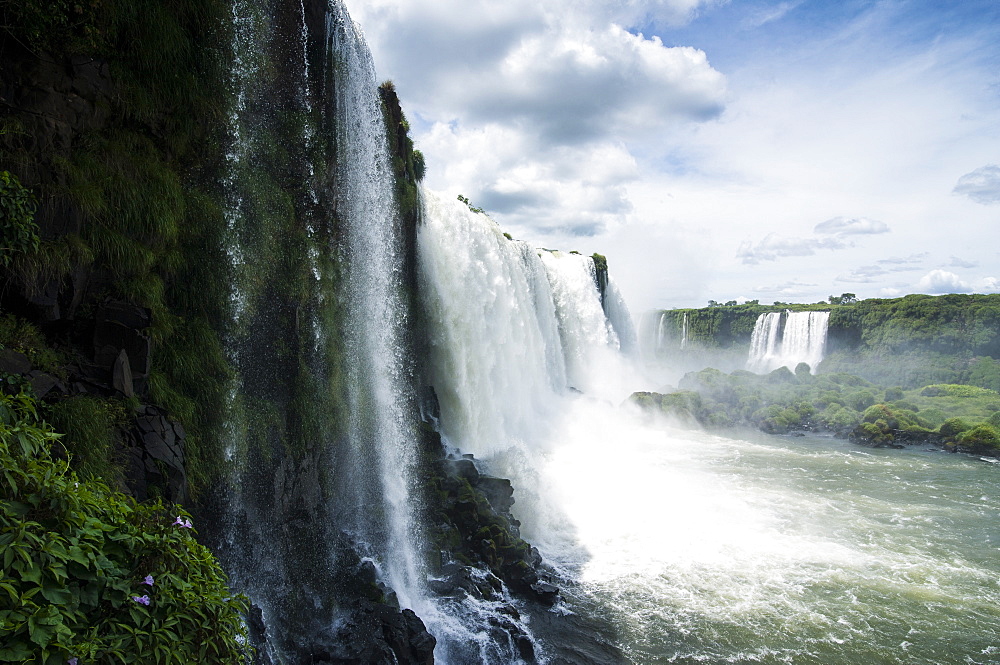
pixel 684 332
pixel 801 340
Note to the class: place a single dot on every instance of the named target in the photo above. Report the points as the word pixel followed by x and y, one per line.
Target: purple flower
pixel 183 523
pixel 72 661
pixel 142 600
pixel 148 581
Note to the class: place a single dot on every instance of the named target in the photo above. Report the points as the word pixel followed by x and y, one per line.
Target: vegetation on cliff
pixel 911 341
pixel 961 417
pixel 91 576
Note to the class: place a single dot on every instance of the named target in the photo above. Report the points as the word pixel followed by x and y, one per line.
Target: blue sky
pixel 778 151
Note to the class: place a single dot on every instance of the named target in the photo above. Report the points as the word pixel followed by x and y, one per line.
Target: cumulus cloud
pixel 574 87
pixel 534 110
pixel 981 185
pixel 938 282
pixel 572 189
pixel 989 285
pixel 774 246
pixel 851 226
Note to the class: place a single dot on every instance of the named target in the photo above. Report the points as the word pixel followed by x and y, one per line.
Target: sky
pixel 770 150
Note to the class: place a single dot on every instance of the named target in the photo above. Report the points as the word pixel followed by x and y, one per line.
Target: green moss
pixel 982 437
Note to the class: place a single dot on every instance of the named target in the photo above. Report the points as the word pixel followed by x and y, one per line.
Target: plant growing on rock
pixel 18 231
pixel 90 576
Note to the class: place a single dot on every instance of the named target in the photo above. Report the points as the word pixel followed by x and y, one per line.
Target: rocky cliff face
pixel 189 282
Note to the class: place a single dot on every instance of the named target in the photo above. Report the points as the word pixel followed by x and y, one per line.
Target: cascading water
pixel 322 444
pixel 802 340
pixel 380 449
pixel 764 343
pixel 520 348
pixel 683 546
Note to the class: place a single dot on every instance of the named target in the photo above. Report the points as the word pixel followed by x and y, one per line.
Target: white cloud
pixel 988 285
pixel 773 246
pixel 862 275
pixel 957 262
pixel 575 86
pixel 851 226
pixel 790 289
pixel 938 282
pixel 904 263
pixel 981 185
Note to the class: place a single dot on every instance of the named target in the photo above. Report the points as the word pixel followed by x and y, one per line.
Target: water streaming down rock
pixel 380 454
pixel 319 510
pixel 802 339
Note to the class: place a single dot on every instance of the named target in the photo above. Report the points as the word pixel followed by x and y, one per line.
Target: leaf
pixel 15 652
pixel 57 595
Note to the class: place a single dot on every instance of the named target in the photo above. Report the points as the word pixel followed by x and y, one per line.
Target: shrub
pixel 953 426
pixel 18 231
pixel 90 576
pixel 19 335
pixel 981 437
pixel 91 426
pixel 956 390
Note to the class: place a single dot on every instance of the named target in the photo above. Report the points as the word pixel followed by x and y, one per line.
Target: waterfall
pixel 380 448
pixel 684 332
pixel 318 506
pixel 497 354
pixel 802 340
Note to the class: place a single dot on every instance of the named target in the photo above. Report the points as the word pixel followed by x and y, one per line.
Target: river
pixel 704 548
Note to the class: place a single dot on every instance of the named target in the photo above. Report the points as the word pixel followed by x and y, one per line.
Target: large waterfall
pixel 801 340
pixel 319 508
pixel 523 360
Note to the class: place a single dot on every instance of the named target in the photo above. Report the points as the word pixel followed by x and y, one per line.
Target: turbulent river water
pixel 700 548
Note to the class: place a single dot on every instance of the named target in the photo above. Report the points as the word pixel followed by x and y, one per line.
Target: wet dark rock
pixel 375 634
pixel 12 362
pixel 156 457
pixel 121 375
pixel 498 491
pixel 465 468
pixel 545 592
pixel 43 383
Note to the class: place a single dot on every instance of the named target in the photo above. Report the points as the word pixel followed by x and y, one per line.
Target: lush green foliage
pixel 141 189
pixel 90 575
pixel 846 405
pixel 92 434
pixel 19 335
pixel 18 231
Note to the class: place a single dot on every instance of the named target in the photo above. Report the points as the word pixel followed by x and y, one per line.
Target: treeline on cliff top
pixel 911 341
